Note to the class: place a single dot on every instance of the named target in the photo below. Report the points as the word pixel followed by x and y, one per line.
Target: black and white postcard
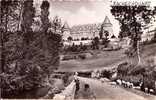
pixel 78 49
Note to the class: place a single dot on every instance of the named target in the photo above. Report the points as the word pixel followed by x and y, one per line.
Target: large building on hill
pixel 149 32
pixel 89 31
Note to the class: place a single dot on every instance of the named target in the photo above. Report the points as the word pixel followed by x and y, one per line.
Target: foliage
pixel 36 65
pixel 9 15
pixel 27 56
pixel 101 32
pixel 15 79
pixel 105 42
pixel 106 34
pixel 136 75
pixel 153 40
pixel 8 22
pixel 44 16
pixel 132 20
pixel 57 25
pixel 27 15
pixel 76 48
pixel 70 38
pixel 82 56
pixel 95 43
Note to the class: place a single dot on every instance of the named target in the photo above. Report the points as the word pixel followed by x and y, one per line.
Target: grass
pixel 104 59
pixel 99 60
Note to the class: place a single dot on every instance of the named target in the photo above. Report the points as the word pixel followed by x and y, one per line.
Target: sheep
pixel 119 82
pixel 112 83
pixel 136 87
pixel 151 91
pixel 129 85
pixel 93 74
pixel 146 90
pixel 124 83
pixel 148 84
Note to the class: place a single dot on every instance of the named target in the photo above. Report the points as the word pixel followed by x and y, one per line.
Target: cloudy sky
pixel 76 12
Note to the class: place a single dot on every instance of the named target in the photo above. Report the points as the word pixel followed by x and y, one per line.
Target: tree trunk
pixel 3 31
pixel 138 53
pixel 20 15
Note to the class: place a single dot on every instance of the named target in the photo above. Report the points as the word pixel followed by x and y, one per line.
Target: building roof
pixel 84 27
pixel 66 26
pixel 107 22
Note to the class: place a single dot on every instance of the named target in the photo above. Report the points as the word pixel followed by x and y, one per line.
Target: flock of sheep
pixel 140 85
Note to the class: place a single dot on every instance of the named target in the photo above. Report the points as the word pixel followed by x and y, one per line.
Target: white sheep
pixel 129 84
pixel 151 91
pixel 124 83
pixel 136 87
pixel 119 82
pixel 112 83
pixel 146 90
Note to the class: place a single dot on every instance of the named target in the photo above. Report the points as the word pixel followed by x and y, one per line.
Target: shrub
pixel 106 73
pixel 32 64
pixel 82 56
pixel 69 57
pixel 14 83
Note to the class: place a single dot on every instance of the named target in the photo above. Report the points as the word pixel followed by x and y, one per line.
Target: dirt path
pixel 105 91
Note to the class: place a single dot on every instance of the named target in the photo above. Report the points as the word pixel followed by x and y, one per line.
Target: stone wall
pixel 68 93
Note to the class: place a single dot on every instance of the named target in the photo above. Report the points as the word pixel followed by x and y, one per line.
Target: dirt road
pixel 106 91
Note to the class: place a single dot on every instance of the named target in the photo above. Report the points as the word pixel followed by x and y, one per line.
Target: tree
pixel 36 59
pixel 154 35
pixel 131 19
pixel 11 48
pixel 95 43
pixel 44 16
pixel 69 38
pixel 101 32
pixel 57 25
pixel 27 16
pixel 8 22
pixel 105 42
pixel 51 37
pixel 106 34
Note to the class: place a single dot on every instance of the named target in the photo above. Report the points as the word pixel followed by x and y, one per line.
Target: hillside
pixel 105 59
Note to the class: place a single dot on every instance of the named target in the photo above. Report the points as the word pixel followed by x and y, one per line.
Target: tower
pixel 66 31
pixel 107 27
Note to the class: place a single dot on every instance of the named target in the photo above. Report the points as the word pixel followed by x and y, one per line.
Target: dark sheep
pixel 149 82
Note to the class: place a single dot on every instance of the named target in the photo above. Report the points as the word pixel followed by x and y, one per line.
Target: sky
pixel 76 12
pixel 82 12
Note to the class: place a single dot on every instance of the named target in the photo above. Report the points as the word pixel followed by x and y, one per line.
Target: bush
pixel 66 78
pixel 137 74
pixel 14 83
pixel 95 43
pixel 69 57
pixel 82 56
pixel 149 41
pixel 85 74
pixel 106 73
pixel 105 42
pixel 32 64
